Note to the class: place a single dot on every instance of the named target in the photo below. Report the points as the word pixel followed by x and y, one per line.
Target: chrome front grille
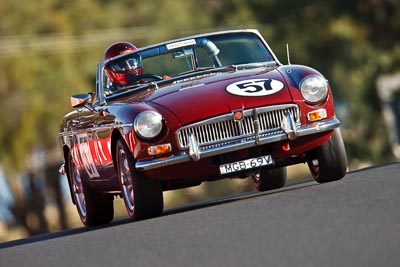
pixel 225 129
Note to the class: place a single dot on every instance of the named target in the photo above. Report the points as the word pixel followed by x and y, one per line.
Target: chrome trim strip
pixel 313 128
pixel 96 128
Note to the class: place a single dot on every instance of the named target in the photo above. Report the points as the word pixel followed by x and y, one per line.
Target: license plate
pixel 246 164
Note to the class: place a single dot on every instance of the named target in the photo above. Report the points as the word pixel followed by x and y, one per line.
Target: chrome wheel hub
pixel 126 181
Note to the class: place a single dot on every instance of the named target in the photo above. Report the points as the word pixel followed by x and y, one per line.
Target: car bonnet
pixel 222 93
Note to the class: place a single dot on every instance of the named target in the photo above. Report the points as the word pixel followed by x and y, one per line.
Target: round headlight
pixel 148 124
pixel 314 88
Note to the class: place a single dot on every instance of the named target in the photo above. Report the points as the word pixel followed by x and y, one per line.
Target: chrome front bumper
pixel 289 132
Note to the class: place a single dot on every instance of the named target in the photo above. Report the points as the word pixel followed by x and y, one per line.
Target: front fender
pixel 295 73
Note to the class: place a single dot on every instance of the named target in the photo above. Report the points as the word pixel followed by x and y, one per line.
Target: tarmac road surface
pixel 351 222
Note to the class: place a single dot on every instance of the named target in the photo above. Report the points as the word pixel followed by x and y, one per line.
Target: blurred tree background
pixel 49 50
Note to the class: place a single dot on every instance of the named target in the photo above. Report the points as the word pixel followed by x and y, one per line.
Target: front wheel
pixel 329 161
pixel 143 197
pixel 94 208
pixel 269 179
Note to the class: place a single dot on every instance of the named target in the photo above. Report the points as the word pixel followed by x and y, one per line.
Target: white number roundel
pixel 255 87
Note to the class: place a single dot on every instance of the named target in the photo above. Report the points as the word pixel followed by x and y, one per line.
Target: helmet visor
pixel 125 65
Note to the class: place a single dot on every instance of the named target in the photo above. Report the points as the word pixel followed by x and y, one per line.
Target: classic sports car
pixel 206 107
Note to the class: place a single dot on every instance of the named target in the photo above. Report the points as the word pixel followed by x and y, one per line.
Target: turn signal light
pixel 316 115
pixel 159 149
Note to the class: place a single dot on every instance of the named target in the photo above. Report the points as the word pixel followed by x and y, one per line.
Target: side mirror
pixel 80 100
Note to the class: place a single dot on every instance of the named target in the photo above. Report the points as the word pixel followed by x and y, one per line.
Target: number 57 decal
pixel 255 87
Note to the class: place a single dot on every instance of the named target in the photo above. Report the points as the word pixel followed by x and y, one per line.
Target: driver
pixel 122 71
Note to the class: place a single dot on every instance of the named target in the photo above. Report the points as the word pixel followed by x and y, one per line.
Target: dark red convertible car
pixel 206 107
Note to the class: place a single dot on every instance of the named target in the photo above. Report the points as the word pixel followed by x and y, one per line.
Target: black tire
pixel 94 208
pixel 269 179
pixel 143 197
pixel 329 162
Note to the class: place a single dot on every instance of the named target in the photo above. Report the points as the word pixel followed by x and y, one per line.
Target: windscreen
pixel 169 60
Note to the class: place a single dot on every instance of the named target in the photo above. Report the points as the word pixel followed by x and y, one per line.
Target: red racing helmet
pixel 122 70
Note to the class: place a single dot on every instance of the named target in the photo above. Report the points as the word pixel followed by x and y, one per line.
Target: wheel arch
pixel 115 136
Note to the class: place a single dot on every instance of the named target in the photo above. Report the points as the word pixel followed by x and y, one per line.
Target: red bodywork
pixel 189 102
pixel 90 135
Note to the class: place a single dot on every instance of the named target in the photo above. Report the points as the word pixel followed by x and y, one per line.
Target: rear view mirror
pixel 80 100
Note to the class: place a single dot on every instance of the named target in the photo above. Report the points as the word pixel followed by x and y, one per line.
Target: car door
pixel 83 144
pixel 101 139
